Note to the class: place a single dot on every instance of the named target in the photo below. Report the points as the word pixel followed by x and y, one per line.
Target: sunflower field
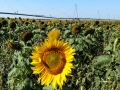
pixel 59 54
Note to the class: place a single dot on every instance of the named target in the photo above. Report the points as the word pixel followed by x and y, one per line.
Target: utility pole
pixel 76 10
pixel 98 15
pixel 108 16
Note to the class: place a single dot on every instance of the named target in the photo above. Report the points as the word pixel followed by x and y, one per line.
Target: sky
pixel 100 9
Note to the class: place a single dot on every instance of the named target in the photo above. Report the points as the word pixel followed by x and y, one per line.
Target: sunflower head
pixel 42 26
pixel 4 22
pixel 42 22
pixel 89 31
pixel 54 34
pixel 0 25
pixel 86 25
pixel 118 29
pixel 26 22
pixel 33 20
pixel 8 17
pixel 76 29
pixel 107 27
pixel 20 18
pixel 12 25
pixel 53 59
pixel 96 23
pixel 13 46
pixel 27 36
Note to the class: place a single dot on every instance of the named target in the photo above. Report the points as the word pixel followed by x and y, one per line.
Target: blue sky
pixel 105 9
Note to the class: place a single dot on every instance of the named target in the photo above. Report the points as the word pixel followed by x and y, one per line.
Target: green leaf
pixel 79 40
pixel 78 47
pixel 97 81
pixel 108 48
pixel 47 88
pixel 103 60
pixel 67 32
pixel 108 73
pixel 117 70
pixel 71 41
pixel 65 88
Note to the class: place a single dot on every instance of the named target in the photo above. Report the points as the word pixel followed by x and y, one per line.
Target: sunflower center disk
pixel 55 62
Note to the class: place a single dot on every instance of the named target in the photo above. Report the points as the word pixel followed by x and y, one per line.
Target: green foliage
pixel 96 62
pixel 103 60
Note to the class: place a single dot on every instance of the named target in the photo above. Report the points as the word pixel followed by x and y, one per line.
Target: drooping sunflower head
pixel 53 61
pixel 13 46
pixel 27 35
pixel 89 31
pixel 76 29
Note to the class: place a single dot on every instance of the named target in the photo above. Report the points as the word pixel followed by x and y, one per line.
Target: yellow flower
pixel 52 60
pixel 54 34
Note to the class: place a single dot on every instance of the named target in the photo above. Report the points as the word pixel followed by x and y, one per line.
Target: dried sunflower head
pixel 27 36
pixel 76 29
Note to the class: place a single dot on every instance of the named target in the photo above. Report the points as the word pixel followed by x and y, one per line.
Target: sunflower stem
pixel 114 47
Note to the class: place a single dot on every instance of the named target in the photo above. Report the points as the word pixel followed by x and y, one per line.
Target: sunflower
pixel 12 25
pixel 0 25
pixel 76 29
pixel 13 46
pixel 27 35
pixel 52 60
pixel 54 34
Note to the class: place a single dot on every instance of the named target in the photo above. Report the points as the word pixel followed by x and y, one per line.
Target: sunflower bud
pixel 27 36
pixel 54 34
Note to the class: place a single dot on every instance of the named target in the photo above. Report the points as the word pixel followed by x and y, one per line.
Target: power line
pixel 50 7
pixel 66 12
pixel 26 7
pixel 9 6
